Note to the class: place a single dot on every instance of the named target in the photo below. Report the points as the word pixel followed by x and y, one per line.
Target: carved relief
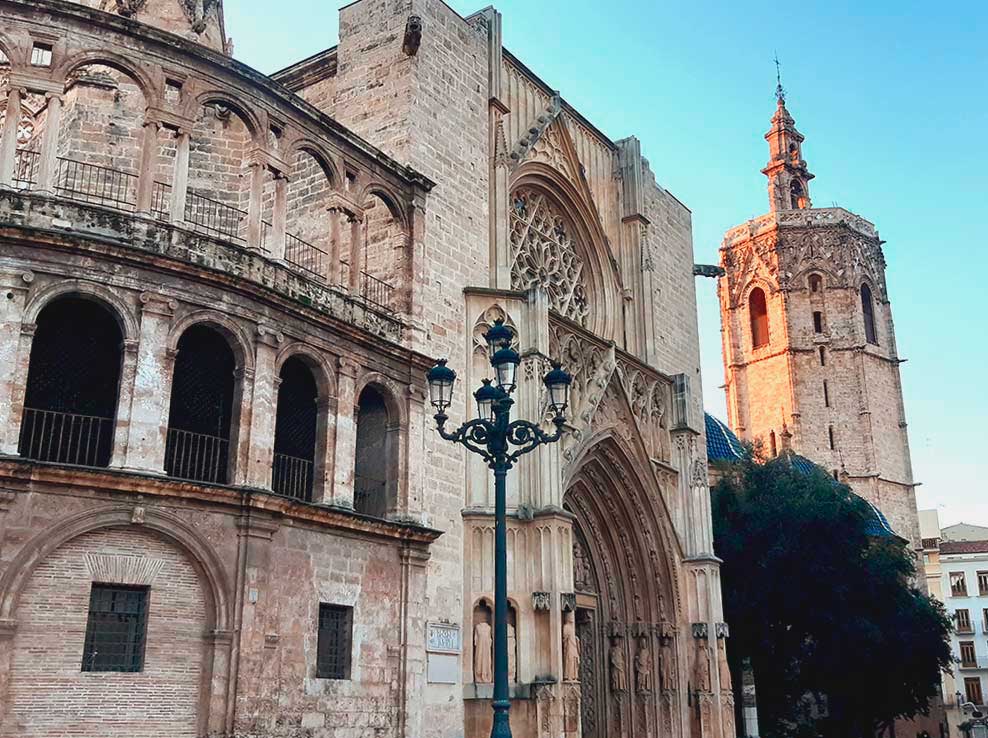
pixel 618 667
pixel 702 666
pixel 571 649
pixel 545 253
pixel 723 670
pixel 643 667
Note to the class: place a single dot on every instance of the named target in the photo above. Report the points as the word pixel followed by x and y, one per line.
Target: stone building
pixel 808 340
pixel 223 508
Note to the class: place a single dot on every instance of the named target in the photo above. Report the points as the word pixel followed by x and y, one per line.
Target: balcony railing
pixel 161 195
pixel 26 168
pixel 306 256
pixel 98 185
pixel 66 438
pixel 373 291
pixel 196 456
pixel 213 217
pixel 291 476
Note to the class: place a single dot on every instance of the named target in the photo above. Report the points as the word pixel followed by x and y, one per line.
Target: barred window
pixel 115 632
pixel 335 637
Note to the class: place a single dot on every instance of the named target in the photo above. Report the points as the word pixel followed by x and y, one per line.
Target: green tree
pixel 826 612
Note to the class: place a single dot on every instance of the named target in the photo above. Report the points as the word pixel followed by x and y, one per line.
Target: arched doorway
pixel 625 597
pixel 70 402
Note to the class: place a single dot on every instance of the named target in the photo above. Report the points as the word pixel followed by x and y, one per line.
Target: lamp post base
pixel 502 725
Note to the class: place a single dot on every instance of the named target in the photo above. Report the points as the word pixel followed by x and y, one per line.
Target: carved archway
pixel 624 575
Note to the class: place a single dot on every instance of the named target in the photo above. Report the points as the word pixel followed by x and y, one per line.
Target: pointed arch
pixel 602 279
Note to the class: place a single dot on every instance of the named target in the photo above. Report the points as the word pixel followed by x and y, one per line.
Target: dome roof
pixel 723 445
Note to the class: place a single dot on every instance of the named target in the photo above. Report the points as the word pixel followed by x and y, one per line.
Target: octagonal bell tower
pixel 808 340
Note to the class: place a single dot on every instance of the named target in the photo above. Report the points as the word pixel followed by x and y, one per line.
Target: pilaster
pixel 264 411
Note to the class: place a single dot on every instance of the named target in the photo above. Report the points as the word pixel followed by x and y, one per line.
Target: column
pixel 356 247
pixel 413 658
pixel 255 233
pixel 322 487
pixel 8 142
pixel 150 393
pixel 333 268
pixel 121 428
pixel 265 407
pixel 279 219
pixel 413 302
pixel 15 353
pixel 149 166
pixel 346 434
pixel 180 178
pixel 48 166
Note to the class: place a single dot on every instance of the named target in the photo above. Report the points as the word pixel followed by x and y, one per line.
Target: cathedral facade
pixel 808 340
pixel 224 508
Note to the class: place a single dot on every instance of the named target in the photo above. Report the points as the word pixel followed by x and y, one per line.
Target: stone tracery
pixel 545 253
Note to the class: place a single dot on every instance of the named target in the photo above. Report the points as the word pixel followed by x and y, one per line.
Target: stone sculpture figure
pixel 666 673
pixel 723 670
pixel 619 669
pixel 571 650
pixel 483 647
pixel 512 654
pixel 643 668
pixel 702 666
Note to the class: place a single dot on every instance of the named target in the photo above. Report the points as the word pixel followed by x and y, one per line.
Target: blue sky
pixel 893 100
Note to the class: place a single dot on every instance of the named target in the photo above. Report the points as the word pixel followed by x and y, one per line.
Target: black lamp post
pixel 500 442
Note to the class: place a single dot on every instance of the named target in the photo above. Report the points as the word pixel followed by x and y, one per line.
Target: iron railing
pixel 98 185
pixel 372 290
pixel 376 291
pixel 213 217
pixel 306 256
pixel 26 165
pixel 291 476
pixel 66 438
pixel 161 197
pixel 196 456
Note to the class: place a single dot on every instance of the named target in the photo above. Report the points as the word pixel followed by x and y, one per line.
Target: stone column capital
pixel 158 304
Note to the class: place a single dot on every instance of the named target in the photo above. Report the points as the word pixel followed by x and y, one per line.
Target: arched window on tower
pixel 70 402
pixel 816 283
pixel 797 195
pixel 201 411
pixel 868 309
pixel 758 314
pixel 293 469
pixel 375 478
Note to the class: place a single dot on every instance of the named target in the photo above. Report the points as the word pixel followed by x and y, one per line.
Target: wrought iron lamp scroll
pixel 500 441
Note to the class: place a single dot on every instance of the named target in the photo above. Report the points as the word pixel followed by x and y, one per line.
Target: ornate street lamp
pixel 500 442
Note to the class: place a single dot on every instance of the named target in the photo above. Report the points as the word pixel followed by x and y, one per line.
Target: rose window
pixel 544 253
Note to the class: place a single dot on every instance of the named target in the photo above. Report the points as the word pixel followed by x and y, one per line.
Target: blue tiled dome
pixel 723 445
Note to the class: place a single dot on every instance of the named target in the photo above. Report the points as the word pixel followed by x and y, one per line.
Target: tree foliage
pixel 821 608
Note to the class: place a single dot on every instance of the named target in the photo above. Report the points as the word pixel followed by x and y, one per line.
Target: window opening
pixel 292 472
pixel 116 629
pixel 374 455
pixel 868 309
pixel 817 321
pixel 758 314
pixel 334 642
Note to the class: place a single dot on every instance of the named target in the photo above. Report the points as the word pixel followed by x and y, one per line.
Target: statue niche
pixel 483 644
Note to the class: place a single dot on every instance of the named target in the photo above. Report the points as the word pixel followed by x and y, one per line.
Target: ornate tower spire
pixel 788 177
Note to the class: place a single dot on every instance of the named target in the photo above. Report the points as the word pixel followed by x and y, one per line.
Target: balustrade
pixel 292 476
pixel 196 456
pixel 66 438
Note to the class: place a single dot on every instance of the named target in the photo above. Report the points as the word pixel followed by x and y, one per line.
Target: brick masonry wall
pixel 430 111
pixel 51 696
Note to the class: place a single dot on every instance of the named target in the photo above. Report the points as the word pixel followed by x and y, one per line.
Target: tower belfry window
pixel 758 315
pixel 817 321
pixel 797 196
pixel 830 437
pixel 823 356
pixel 868 310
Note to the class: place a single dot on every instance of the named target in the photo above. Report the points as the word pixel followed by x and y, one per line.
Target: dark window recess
pixel 116 630
pixel 826 394
pixel 71 397
pixel 199 420
pixel 374 456
pixel 868 309
pixel 817 321
pixel 758 315
pixel 335 637
pixel 295 431
pixel 830 434
pixel 823 356
pixel 816 282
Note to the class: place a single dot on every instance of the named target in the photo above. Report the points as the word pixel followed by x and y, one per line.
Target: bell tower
pixel 788 177
pixel 808 340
